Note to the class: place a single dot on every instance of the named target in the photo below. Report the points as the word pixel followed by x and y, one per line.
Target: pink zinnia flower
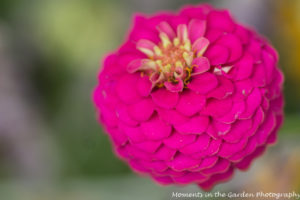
pixel 190 96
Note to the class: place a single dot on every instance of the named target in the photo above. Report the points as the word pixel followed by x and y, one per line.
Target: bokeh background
pixel 51 146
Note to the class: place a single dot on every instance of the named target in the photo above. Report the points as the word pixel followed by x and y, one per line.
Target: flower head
pixel 171 62
pixel 190 96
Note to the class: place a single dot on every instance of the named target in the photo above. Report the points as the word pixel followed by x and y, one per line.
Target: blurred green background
pixel 51 146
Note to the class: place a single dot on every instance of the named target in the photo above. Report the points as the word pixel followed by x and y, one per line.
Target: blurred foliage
pixel 5 8
pixel 286 34
pixel 291 124
pixel 78 33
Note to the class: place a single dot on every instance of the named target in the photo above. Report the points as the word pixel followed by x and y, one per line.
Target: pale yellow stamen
pixel 157 51
pixel 165 39
pixel 188 58
pixel 187 45
pixel 167 68
pixel 182 32
pixel 200 53
pixel 146 51
pixel 159 63
pixel 149 64
pixel 178 64
pixel 176 42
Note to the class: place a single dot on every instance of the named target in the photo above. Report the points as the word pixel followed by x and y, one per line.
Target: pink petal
pixel 221 166
pixel 172 116
pixel 118 137
pixel 148 146
pixel 156 129
pixel 217 128
pixel 167 29
pixel 144 86
pixel 173 173
pixel 130 61
pixel 134 65
pixel 251 146
pixel 273 136
pixel 254 48
pixel 177 140
pixel 141 31
pixel 177 20
pixel 213 34
pixel 244 67
pixel 196 29
pixel 266 128
pixel 137 166
pixel 139 64
pixel 252 103
pixel 212 149
pixel 105 96
pixel 257 119
pixel 155 165
pixel 220 20
pixel 145 44
pixel 174 87
pixel 242 33
pixel 269 64
pixel 217 108
pixel 142 110
pixel 134 134
pixel 136 153
pixel 217 54
pixel 164 153
pixel 259 77
pixel 190 103
pixel 126 88
pixel 200 144
pixel 206 163
pixel 277 104
pixel 229 149
pixel 245 163
pixel 108 116
pixel 200 65
pixel 231 116
pixel 110 59
pixel 203 83
pixel 233 44
pixel 196 125
pixel 129 47
pixel 182 162
pixel 243 89
pixel 272 51
pixel 155 20
pixel 165 98
pixel 122 152
pixel 200 45
pixel 238 130
pixel 224 89
pixel 212 132
pixel 220 127
pixel 272 139
pixel 276 85
pixel 123 115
